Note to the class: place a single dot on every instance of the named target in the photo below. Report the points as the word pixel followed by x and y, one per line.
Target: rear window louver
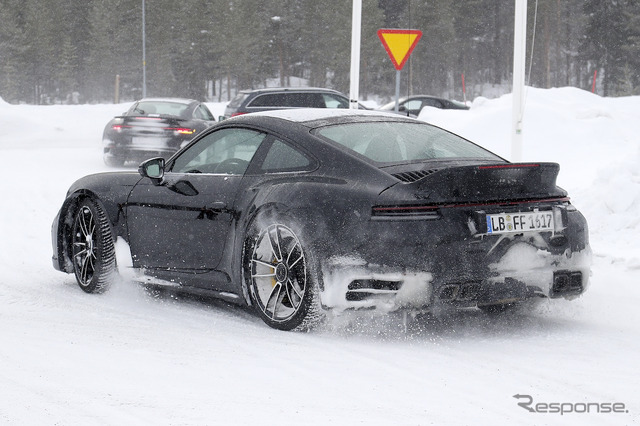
pixel 413 176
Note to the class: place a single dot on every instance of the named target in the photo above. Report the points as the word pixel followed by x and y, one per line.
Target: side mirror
pixel 402 108
pixel 152 168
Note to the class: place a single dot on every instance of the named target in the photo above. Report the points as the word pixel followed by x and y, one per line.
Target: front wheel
pixel 281 278
pixel 92 248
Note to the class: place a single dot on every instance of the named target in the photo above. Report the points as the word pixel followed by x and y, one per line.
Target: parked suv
pixel 283 98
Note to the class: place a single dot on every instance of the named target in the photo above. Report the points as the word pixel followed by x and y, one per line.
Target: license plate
pixel 149 142
pixel 519 222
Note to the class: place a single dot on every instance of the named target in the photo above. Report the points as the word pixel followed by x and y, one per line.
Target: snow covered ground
pixel 131 357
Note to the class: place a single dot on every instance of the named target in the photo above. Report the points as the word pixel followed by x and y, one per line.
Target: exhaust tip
pixel 566 283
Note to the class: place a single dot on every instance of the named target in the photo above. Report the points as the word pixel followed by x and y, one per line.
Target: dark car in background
pixel 297 212
pixel 153 127
pixel 285 98
pixel 412 105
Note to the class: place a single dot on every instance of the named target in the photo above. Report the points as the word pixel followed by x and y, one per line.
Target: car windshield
pixel 161 108
pixel 397 142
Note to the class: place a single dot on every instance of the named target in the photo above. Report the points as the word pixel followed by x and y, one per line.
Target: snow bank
pixel 594 139
pixel 130 357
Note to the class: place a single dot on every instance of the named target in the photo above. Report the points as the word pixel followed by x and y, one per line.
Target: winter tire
pixel 281 278
pixel 92 248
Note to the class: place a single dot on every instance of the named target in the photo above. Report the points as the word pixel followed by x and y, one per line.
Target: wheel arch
pixel 65 224
pixel 316 214
pixel 259 221
pixel 245 227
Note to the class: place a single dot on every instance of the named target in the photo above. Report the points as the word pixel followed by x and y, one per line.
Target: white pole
pixel 144 54
pixel 356 24
pixel 519 52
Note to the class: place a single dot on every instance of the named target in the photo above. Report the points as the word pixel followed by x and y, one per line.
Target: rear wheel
pixel 281 278
pixel 93 252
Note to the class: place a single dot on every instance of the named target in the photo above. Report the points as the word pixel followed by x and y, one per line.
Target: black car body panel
pixel 413 234
pixel 153 127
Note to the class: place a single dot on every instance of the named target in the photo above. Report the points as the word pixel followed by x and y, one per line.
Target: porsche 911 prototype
pixel 299 212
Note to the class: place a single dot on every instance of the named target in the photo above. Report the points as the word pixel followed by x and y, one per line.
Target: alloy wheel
pixel 279 273
pixel 84 245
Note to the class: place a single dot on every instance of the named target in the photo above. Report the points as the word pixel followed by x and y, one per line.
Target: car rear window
pixel 397 142
pixel 162 108
pixel 282 157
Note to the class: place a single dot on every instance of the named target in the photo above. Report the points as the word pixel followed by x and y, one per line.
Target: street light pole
pixel 519 50
pixel 356 24
pixel 144 54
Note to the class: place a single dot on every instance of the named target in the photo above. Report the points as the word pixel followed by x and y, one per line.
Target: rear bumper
pixel 123 148
pixel 424 264
pixel 362 285
pixel 132 154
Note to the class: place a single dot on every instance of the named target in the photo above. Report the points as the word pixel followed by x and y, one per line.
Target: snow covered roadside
pixel 596 141
pixel 127 357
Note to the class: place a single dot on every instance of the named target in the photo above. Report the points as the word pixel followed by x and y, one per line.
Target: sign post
pixel 519 51
pixel 399 44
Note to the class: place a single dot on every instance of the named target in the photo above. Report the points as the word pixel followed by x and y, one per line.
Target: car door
pixel 182 224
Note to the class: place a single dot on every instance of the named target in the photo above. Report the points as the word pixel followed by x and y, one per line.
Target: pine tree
pixel 13 52
pixel 608 30
pixel 115 48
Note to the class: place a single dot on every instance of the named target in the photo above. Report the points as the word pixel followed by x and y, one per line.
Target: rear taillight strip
pixel 396 210
pixel 182 130
pixel 508 166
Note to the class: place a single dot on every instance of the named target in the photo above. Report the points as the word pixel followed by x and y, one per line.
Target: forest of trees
pixel 63 51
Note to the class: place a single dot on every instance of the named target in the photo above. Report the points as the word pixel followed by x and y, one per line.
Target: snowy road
pixel 134 357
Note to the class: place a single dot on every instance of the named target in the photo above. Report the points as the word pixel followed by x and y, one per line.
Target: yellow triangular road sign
pixel 399 44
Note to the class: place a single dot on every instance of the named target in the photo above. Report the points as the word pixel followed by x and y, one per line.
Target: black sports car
pixel 297 212
pixel 412 105
pixel 153 127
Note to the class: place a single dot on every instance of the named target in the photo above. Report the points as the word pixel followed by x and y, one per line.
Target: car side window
pixel 268 100
pixel 414 106
pixel 332 101
pixel 203 113
pixel 305 100
pixel 433 103
pixel 282 157
pixel 226 151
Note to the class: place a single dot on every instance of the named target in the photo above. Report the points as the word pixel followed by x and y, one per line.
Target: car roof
pixel 174 100
pixel 312 117
pixel 408 98
pixel 290 89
